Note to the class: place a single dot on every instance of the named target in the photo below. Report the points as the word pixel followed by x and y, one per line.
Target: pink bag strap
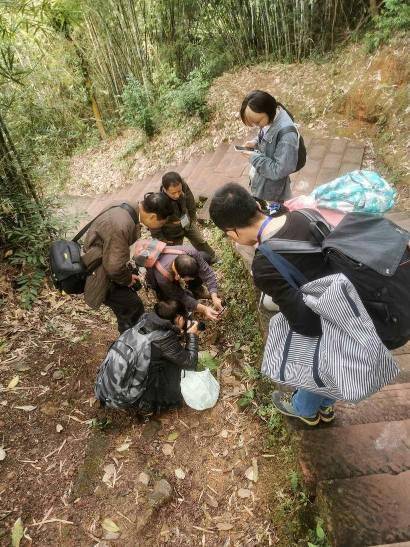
pixel 167 250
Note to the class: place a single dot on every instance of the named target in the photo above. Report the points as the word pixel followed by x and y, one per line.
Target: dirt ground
pixel 66 470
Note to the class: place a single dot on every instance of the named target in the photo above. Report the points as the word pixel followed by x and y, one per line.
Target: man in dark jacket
pixel 236 212
pixel 183 221
pixel 180 277
pixel 107 252
pixel 169 356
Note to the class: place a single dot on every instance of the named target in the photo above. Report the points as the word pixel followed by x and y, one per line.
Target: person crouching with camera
pixel 169 355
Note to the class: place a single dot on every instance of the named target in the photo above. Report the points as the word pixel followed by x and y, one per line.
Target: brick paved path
pixel 327 158
pixel 359 466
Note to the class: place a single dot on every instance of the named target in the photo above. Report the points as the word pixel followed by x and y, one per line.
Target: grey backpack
pixel 122 376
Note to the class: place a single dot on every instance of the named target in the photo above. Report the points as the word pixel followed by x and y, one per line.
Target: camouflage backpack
pixel 122 376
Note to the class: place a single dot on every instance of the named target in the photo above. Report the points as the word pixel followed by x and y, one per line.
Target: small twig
pixel 203 530
pixel 50 520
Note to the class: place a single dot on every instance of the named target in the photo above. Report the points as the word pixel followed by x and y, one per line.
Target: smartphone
pixel 243 148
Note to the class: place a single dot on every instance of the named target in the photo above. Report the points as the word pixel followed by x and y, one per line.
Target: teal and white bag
pixel 356 192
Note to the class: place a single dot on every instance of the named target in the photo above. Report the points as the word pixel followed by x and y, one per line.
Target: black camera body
pixel 201 325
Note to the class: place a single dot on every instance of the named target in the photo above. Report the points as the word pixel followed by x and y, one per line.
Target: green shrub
pixel 137 110
pixel 26 231
pixel 394 17
pixel 189 99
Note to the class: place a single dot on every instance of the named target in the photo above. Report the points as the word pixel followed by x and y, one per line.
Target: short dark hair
pixel 259 101
pixel 156 202
pixel 186 266
pixel 172 178
pixel 169 309
pixel 233 207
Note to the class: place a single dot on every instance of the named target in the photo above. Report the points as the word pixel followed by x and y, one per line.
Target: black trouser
pixel 126 304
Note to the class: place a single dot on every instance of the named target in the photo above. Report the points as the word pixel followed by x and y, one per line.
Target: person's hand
pixel 210 313
pixel 193 329
pixel 217 302
pixel 250 144
pixel 134 279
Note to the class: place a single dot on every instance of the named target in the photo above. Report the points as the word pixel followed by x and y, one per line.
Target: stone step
pixel 392 403
pixel 187 170
pixel 365 511
pixel 354 451
pixel 401 544
pixel 403 362
pixel 219 153
pixel 202 162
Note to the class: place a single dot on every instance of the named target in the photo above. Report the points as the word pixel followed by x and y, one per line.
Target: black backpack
pixel 292 129
pixel 374 255
pixel 302 148
pixel 67 269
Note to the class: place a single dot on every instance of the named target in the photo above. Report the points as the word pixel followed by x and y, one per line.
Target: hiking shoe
pixel 286 408
pixel 214 261
pixel 327 414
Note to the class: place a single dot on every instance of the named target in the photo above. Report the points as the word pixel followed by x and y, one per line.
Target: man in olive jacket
pixel 183 221
pixel 107 252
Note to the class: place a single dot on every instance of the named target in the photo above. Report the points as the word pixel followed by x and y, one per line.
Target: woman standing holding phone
pixel 277 151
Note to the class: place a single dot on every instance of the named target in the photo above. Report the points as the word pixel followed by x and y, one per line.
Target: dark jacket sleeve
pixel 206 273
pixel 173 291
pixel 290 301
pixel 175 352
pixel 190 203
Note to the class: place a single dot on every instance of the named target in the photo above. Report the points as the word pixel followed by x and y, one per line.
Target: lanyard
pixel 263 226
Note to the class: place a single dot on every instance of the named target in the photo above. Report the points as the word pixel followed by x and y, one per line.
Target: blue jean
pixel 307 403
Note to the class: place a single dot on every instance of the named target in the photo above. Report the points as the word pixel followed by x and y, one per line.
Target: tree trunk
pixel 373 8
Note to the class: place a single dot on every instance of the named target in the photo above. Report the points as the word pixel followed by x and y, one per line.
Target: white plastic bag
pixel 200 390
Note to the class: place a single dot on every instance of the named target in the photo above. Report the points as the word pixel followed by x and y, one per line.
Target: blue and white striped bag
pixel 347 362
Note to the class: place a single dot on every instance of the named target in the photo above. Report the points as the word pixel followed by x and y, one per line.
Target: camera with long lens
pixel 134 269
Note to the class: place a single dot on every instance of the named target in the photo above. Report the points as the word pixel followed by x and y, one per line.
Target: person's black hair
pixel 233 207
pixel 261 102
pixel 186 266
pixel 156 202
pixel 169 309
pixel 172 178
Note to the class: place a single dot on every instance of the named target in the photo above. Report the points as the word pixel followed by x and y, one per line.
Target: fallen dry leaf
pixel 244 493
pixel 224 526
pixel 224 434
pixel 2 454
pixel 109 525
pixel 109 472
pixel 167 449
pixel 123 447
pixel 180 473
pixel 252 473
pixel 173 436
pixel 26 408
pixel 17 533
pixel 13 382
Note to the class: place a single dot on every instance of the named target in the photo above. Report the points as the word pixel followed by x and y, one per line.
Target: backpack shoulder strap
pixel 169 250
pixel 288 271
pixel 285 131
pixel 131 211
pixel 293 246
pixel 319 227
